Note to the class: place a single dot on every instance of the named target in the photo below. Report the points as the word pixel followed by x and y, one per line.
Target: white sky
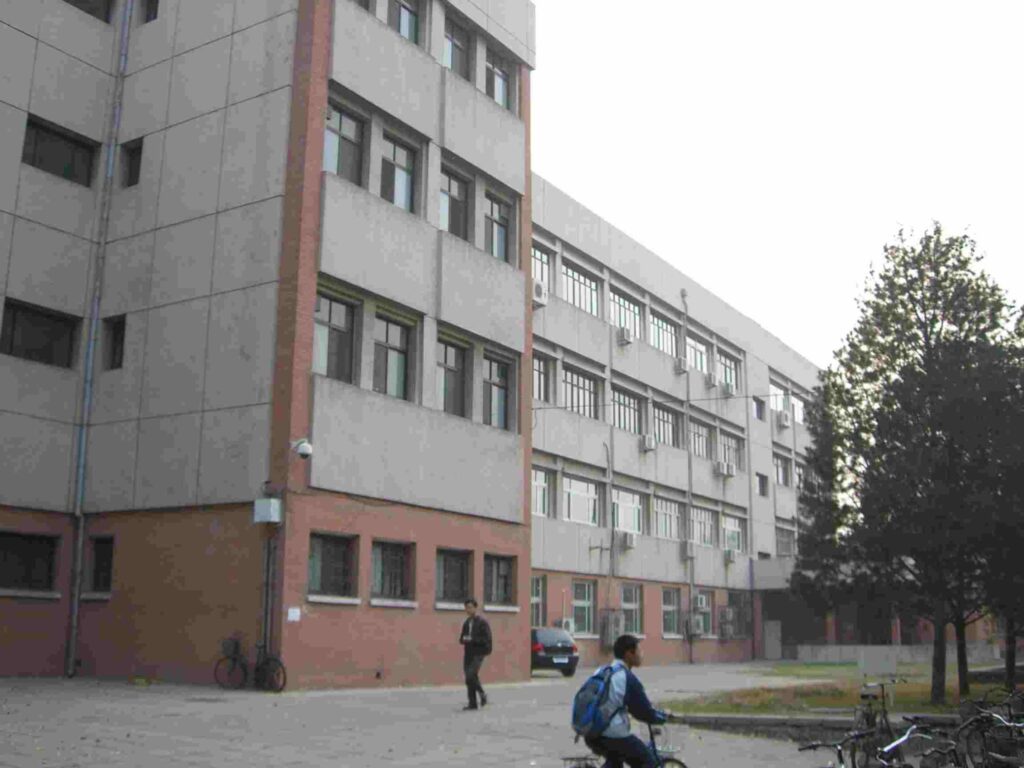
pixel 769 149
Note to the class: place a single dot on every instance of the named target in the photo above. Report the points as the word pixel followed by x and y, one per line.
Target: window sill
pixel 673 637
pixel 584 636
pixel 95 597
pixel 444 606
pixel 385 602
pixel 333 600
pixel 638 637
pixel 30 594
pixel 501 608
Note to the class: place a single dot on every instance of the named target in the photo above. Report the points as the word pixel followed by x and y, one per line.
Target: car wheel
pixel 568 672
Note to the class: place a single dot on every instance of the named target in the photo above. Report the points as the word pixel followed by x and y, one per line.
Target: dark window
pixel 113 343
pixel 498 80
pixel 392 571
pixel 454 572
pixel 365 4
pixel 454 217
pixel 451 378
pixel 666 426
pixel 626 411
pixel 102 564
pixel 343 145
pixel 496 230
pixel 150 10
pixel 332 565
pixel 496 393
pixel 390 356
pixel 456 49
pixel 499 580
pixel 98 8
pixel 540 378
pixel 59 152
pixel 397 174
pixel 37 334
pixel 131 163
pixel 758 408
pixel 579 393
pixel 404 18
pixel 27 562
pixel 333 339
pixel 762 484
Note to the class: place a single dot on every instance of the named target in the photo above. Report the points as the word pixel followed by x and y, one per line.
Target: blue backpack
pixel 591 709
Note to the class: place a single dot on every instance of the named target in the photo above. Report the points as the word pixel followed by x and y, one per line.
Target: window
pixel 666 426
pixel 700 439
pixel 633 608
pixel 98 8
pixel 454 208
pixel 704 614
pixel 579 393
pixel 759 412
pixel 538 601
pixel 581 500
pixel 626 411
pixel 59 152
pixel 332 565
pixel 456 49
pixel 783 468
pixel 27 562
pixel 762 484
pixel 404 18
pixel 496 223
pixel 625 313
pixel 734 533
pixel 391 347
pixel 579 289
pixel 150 11
pixel 798 410
pixel 697 355
pixel 499 580
pixel 131 163
pixel 113 343
pixel 454 574
pixel 785 542
pixel 541 484
pixel 627 511
pixel 498 81
pixel 541 265
pixel 451 378
pixel 101 571
pixel 540 379
pixel 664 335
pixel 343 146
pixel 800 471
pixel 736 618
pixel 37 334
pixel 583 598
pixel 333 339
pixel 778 398
pixel 729 371
pixel 396 182
pixel 670 611
pixel 667 517
pixel 392 571
pixel 702 526
pixel 496 393
pixel 730 449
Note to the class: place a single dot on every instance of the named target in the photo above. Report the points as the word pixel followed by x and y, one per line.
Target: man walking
pixel 476 644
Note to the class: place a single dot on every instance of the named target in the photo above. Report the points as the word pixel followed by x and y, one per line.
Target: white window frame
pixel 538 600
pixel 697 354
pixel 670 607
pixel 571 488
pixel 627 510
pixel 586 604
pixel 703 526
pixel 633 607
pixel 734 532
pixel 541 496
pixel 667 518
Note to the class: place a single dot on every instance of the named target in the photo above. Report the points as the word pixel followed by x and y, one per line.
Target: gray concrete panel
pixel 49 268
pixel 485 134
pixel 16 50
pixel 200 21
pixel 255 149
pixel 510 23
pixel 239 364
pixel 705 483
pixel 386 69
pixel 235 450
pixel 146 97
pixel 183 261
pixel 127 273
pixel 670 466
pixel 116 394
pixel 254 11
pixel 175 358
pixel 191 170
pixel 69 93
pixel 199 81
pixel 653 560
pixel 378 446
pixel 54 201
pixel 22 15
pixel 785 502
pixel 12 143
pixel 568 434
pixel 376 245
pixel 248 246
pixel 110 471
pixel 803 438
pixel 166 473
pixel 153 42
pixel 561 545
pixel 481 294
pixel 35 461
pixel 736 490
pixel 629 459
pixel 261 57
pixel 76 33
pixel 134 209
pixel 37 389
pixel 563 324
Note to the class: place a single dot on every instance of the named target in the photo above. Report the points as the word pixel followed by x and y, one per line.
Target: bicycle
pixel 872 715
pixel 662 755
pixel 989 739
pixel 269 673
pixel 232 670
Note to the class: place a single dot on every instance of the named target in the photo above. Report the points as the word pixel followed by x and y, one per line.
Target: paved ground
pixel 90 724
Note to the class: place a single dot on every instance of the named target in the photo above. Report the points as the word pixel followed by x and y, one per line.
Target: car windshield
pixel 553 637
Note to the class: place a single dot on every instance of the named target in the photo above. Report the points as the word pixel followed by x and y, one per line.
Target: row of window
pixel 149 10
pixel 334 571
pixel 29 563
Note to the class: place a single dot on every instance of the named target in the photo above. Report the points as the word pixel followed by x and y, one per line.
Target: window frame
pixel 414 9
pixel 101 565
pixel 581 289
pixel 538 601
pixel 150 11
pixel 114 331
pixel 580 392
pixel 378 550
pixel 344 573
pixel 131 163
pixel 545 490
pixel 699 441
pixel 498 215
pixel 496 65
pixel 540 262
pixel 102 12
pixel 492 384
pixel 541 378
pixel 762 485
pixel 38 570
pixel 388 347
pixel 452 31
pixel 82 150
pixel 392 145
pixel 356 147
pixel 783 470
pixel 728 369
pixel 447 372
pixel 667 521
pixel 633 607
pixel 664 334
pixel 442 557
pixel 493 579
pixel 586 604
pixel 451 180
pixel 624 312
pixel 791 535
pixel 698 354
pixel 61 351
pixel 671 607
pixel 636 510
pixel 731 449
pixel 666 419
pixel 627 411
pixel 760 408
pixel 733 525
pixel 592 501
pixel 702 526
pixel 325 360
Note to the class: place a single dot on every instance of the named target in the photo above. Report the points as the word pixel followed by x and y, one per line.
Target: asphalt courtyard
pixel 104 724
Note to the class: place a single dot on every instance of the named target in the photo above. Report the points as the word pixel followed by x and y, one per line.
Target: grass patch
pixel 843 670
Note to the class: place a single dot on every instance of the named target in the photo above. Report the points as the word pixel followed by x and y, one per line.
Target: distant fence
pixel 977 653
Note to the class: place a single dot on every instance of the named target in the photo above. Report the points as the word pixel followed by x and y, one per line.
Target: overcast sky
pixel 770 149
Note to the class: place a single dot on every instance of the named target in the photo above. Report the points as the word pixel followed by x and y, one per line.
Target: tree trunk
pixel 961 656
pixel 1010 638
pixel 939 655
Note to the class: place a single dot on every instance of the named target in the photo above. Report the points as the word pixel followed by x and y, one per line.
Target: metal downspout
pixel 689 462
pixel 114 127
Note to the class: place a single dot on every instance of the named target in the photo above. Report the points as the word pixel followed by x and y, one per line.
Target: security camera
pixel 303 447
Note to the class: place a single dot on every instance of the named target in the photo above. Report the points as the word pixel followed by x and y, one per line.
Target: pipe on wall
pixel 690 567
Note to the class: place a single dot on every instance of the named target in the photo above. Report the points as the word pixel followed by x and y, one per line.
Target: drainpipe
pixel 689 461
pixel 106 194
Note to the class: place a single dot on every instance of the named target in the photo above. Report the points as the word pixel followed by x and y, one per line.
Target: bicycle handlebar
pixel 852 736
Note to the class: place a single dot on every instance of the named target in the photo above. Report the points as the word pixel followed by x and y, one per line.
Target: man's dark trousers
pixel 471 664
pixel 619 752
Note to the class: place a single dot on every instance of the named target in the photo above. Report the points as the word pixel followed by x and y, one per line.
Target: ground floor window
pixel 499 580
pixel 584 595
pixel 27 562
pixel 538 601
pixel 703 606
pixel 633 608
pixel 670 611
pixel 332 565
pixel 393 570
pixel 454 574
pixel 101 564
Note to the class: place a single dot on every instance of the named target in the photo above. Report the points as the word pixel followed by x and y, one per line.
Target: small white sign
pixel 878 661
pixel 294 614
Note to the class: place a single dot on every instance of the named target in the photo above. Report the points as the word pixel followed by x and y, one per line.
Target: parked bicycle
pixel 838 746
pixel 232 670
pixel 663 754
pixel 872 715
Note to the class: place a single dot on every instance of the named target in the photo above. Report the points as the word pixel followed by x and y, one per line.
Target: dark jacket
pixel 476 642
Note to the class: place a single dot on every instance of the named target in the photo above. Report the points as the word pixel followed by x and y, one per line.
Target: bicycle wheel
pixel 230 672
pixel 671 762
pixel 272 675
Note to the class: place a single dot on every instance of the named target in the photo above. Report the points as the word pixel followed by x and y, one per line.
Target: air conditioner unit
pixel 680 365
pixel 266 511
pixel 625 336
pixel 687 550
pixel 710 380
pixel 648 443
pixel 629 540
pixel 785 419
pixel 696 626
pixel 728 388
pixel 567 624
pixel 730 469
pixel 540 293
pixel 730 556
pixel 720 468
pixel 701 602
